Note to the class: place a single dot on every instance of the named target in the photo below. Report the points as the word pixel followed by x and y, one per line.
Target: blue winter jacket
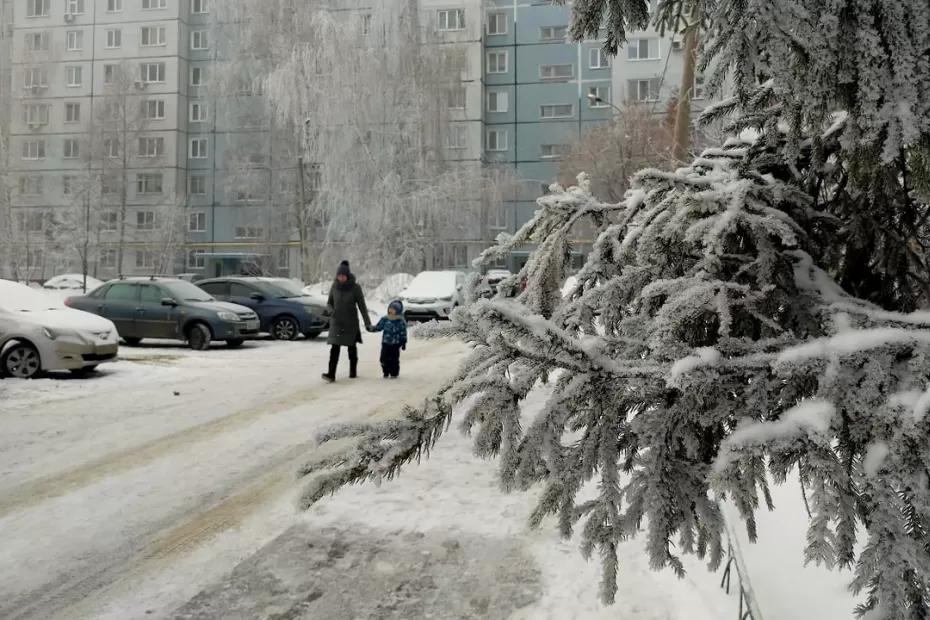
pixel 395 330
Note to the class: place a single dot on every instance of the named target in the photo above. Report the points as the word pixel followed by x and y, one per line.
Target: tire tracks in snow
pixel 80 594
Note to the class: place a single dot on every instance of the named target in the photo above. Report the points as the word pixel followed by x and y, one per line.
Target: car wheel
pixel 285 328
pixel 234 343
pixel 132 342
pixel 199 337
pixel 21 361
pixel 84 372
pixel 312 335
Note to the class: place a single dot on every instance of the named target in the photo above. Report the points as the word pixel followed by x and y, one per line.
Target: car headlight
pixel 228 316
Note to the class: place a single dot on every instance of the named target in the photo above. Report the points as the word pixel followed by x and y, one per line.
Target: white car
pixel 38 333
pixel 433 295
pixel 72 282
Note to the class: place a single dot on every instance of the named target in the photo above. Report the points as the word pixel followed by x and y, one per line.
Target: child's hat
pixel 397 305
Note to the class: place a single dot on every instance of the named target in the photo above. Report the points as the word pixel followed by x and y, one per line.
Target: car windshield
pixel 185 291
pixel 19 298
pixel 282 288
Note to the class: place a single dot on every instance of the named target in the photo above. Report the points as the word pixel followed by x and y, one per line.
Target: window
pixel 68 184
pixel 75 76
pixel 35 258
pixel 497 23
pixel 72 149
pixel 497 101
pixel 72 112
pixel 31 185
pixel 245 196
pixel 200 6
pixel 643 49
pixel 145 220
pixel 196 259
pixel 35 114
pixel 497 217
pixel 151 147
pixel 249 232
pixel 149 293
pixel 556 72
pixel 456 98
pixel 154 4
pixel 551 151
pixel 198 112
pixel 197 185
pixel 122 291
pixel 35 78
pixel 199 40
pixel 451 19
pixel 198 149
pixel 74 40
pixel 149 183
pixel 112 110
pixel 111 147
pixel 107 258
pixel 197 222
pixel 497 62
pixel 74 7
pixel 553 33
pixel 198 76
pixel 34 149
pixel 153 72
pixel 114 6
pixel 599 96
pixel 31 221
pixel 114 39
pixel 109 221
pixel 497 139
pixel 644 90
pixel 153 36
pixel 698 92
pixel 153 109
pixel 37 8
pixel 145 259
pixel 37 41
pixel 366 24
pixel 109 74
pixel 108 185
pixel 599 60
pixel 557 110
pixel 457 137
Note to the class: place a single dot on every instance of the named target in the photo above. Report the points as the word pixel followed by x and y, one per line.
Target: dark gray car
pixel 168 308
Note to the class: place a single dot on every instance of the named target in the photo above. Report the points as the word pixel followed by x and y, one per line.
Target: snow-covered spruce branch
pixel 714 354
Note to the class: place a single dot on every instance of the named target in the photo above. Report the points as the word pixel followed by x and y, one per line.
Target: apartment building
pixel 542 93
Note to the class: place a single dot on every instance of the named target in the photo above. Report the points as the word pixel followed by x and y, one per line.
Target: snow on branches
pixel 701 354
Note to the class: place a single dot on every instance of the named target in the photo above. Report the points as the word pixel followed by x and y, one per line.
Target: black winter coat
pixel 345 302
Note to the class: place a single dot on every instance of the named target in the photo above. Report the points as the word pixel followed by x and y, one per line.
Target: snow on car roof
pixel 17 297
pixel 432 283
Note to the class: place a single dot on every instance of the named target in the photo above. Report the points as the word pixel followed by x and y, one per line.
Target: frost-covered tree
pixel 366 94
pixel 739 320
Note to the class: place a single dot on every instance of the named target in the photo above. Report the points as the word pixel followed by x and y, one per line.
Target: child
pixel 394 339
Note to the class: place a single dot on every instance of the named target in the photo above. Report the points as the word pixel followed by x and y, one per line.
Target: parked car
pixel 284 311
pixel 168 308
pixel 38 333
pixel 489 285
pixel 72 282
pixel 433 295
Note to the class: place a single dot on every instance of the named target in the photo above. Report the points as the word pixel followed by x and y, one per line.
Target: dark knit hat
pixel 343 269
pixel 397 305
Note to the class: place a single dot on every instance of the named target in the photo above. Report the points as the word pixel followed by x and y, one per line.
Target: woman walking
pixel 346 300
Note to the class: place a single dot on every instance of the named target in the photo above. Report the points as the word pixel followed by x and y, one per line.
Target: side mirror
pixel 167 301
pixel 257 297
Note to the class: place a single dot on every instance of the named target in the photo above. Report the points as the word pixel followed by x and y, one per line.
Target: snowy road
pixel 105 482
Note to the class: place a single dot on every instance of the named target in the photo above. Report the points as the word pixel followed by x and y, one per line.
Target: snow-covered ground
pixel 130 494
